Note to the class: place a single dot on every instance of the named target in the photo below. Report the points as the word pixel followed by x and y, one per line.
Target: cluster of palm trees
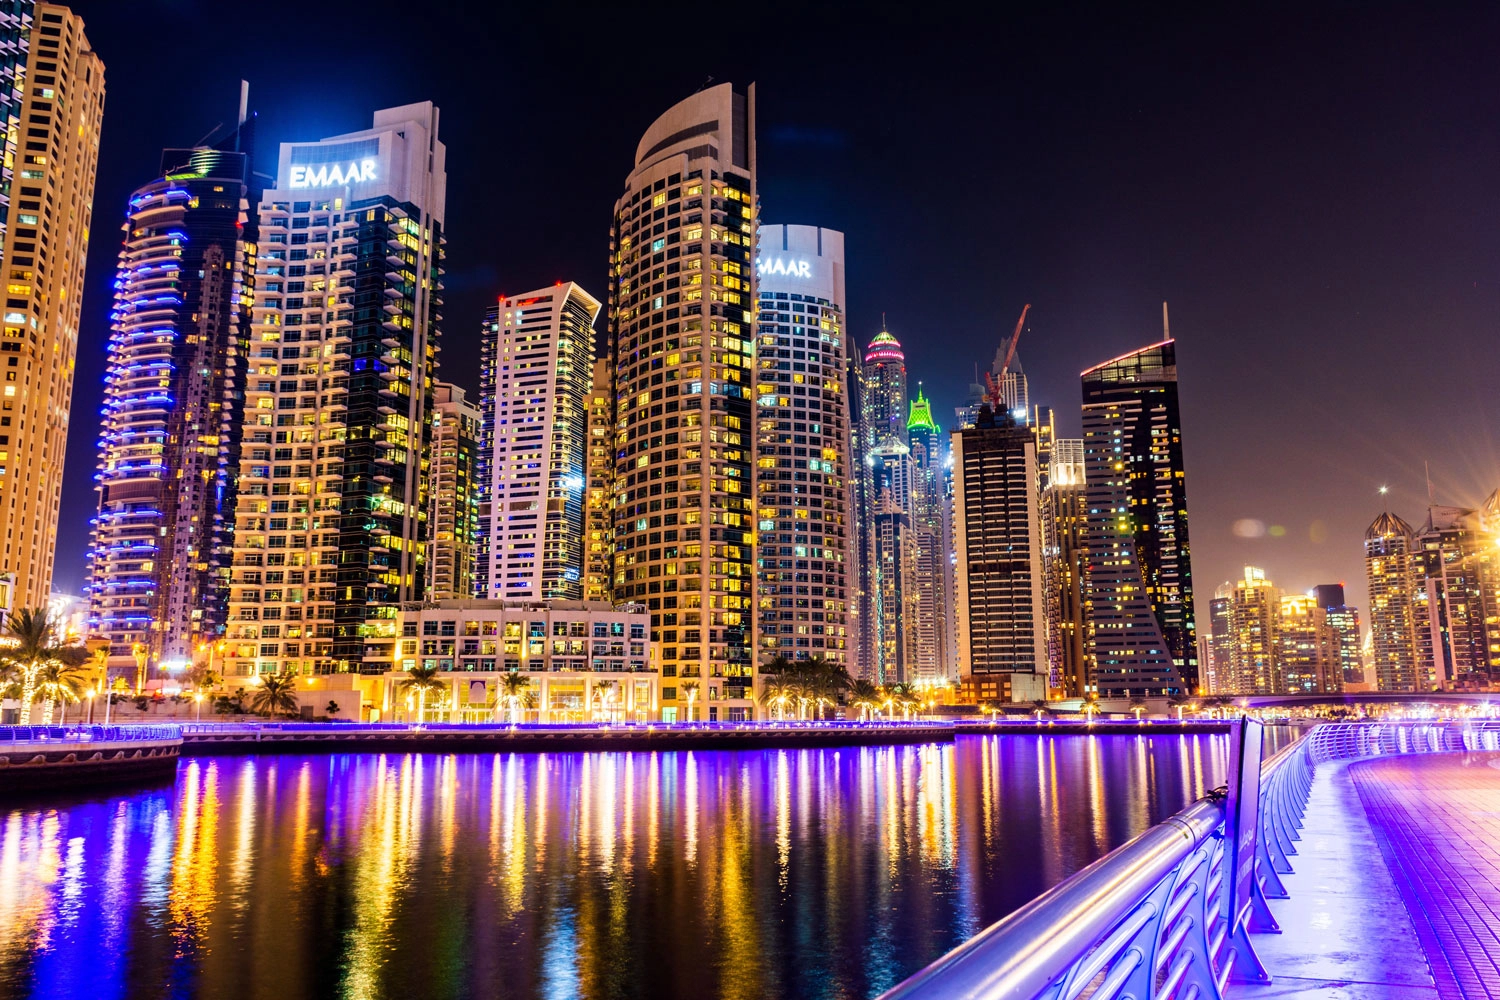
pixel 35 665
pixel 422 681
pixel 811 688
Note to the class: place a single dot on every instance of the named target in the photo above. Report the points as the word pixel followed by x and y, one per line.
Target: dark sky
pixel 1316 192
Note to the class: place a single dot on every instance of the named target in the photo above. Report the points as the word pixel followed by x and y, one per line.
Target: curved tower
pixel 173 408
pixel 883 395
pixel 681 328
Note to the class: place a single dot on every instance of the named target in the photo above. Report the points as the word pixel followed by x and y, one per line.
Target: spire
pixel 919 414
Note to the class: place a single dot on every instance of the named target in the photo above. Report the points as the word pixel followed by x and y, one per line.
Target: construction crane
pixel 1004 359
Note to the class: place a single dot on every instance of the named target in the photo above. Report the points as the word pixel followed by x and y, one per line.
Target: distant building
pixel 1456 563
pixel 879 413
pixel 805 541
pixel 537 369
pixel 890 544
pixel 453 523
pixel 1344 620
pixel 1218 641
pixel 1002 616
pixel 1142 632
pixel 930 567
pixel 1064 519
pixel 581 660
pixel 1307 648
pixel 1253 616
pixel 1395 618
pixel 598 516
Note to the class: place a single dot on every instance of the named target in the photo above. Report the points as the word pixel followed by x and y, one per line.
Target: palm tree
pixel 513 686
pixel 864 696
pixel 1039 706
pixel 276 695
pixel 604 699
pixel 1137 705
pixel 777 665
pixel 776 693
pixel 690 689
pixel 60 682
pixel 420 680
pixel 35 647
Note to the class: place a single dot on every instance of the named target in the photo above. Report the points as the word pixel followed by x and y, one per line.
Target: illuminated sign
pixel 766 267
pixel 331 174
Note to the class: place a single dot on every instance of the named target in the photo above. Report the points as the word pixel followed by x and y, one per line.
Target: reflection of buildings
pixel 802 433
pixel 169 437
pixel 681 311
pixel 52 109
pixel 454 494
pixel 582 660
pixel 1002 633
pixel 331 525
pixel 1142 633
pixel 537 365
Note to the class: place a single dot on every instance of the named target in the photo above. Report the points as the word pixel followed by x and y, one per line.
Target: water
pixel 775 874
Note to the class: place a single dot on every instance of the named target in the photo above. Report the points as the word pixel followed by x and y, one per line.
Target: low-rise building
pixel 581 660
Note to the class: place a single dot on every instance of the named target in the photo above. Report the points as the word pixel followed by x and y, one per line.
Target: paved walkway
pixel 1437 820
pixel 1345 931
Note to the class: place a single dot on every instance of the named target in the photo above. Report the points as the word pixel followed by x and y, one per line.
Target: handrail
pixel 1144 921
pixel 790 725
pixel 88 733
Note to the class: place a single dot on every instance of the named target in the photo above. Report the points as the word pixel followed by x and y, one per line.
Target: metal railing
pixel 13 735
pixel 341 728
pixel 1348 740
pixel 1147 921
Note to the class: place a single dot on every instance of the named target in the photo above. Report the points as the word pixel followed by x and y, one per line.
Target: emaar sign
pixel 768 266
pixel 321 175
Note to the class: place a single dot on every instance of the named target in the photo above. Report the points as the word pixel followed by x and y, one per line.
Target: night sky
pixel 1316 194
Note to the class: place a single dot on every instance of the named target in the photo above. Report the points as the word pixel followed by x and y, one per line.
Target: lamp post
pixel 91 693
pixel 109 700
pixel 198 697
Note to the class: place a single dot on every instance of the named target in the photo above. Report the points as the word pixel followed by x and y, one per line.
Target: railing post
pixel 1242 830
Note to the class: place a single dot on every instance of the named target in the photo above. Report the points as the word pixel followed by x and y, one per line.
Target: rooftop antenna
pixel 1427 471
pixel 1166 327
pixel 244 112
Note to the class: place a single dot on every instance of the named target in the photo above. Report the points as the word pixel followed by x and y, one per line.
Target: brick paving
pixel 1436 819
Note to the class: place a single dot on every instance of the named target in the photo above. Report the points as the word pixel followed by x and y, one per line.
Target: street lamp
pixel 91 692
pixel 198 697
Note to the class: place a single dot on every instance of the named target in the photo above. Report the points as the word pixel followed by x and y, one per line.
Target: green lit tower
pixel 929 565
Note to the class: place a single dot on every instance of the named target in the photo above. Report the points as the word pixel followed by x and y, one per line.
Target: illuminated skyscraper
pixel 53 105
pixel 1455 567
pixel 331 529
pixel 1002 612
pixel 681 329
pixel 879 412
pixel 598 514
pixel 537 367
pixel 1394 618
pixel 169 439
pixel 802 446
pixel 889 468
pixel 1307 648
pixel 929 588
pixel 1344 620
pixel 1142 634
pixel 1254 665
pixel 1064 518
pixel 453 523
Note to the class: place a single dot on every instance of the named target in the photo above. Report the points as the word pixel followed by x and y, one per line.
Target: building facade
pixel 1142 632
pixel 1344 620
pixel 54 107
pixel 1064 517
pixel 1307 647
pixel 331 522
pixel 453 523
pixel 599 557
pixel 578 661
pixel 169 438
pixel 1395 617
pixel 1002 615
pixel 537 368
pixel 890 559
pixel 878 393
pixel 803 442
pixel 681 331
pixel 930 585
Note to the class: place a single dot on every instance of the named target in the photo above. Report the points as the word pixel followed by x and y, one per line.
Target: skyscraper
pixel 878 395
pixel 169 439
pixel 1344 620
pixel 930 566
pixel 1064 517
pixel 536 373
pixel 598 515
pixel 1002 615
pixel 802 446
pixel 1142 633
pixel 1455 566
pixel 681 329
pixel 1254 665
pixel 890 560
pixel 331 528
pixel 1394 617
pixel 453 523
pixel 51 152
pixel 883 408
pixel 1307 648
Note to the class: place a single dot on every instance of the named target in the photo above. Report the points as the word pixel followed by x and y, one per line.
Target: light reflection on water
pixel 814 873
